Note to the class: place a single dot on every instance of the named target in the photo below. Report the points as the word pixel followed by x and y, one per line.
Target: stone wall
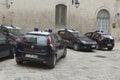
pixel 36 13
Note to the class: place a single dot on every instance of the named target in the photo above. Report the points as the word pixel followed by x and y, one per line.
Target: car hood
pixel 87 40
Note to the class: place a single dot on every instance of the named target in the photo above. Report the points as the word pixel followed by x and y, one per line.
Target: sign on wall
pixel 118 15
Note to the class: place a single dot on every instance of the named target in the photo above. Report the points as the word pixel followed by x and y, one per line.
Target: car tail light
pixel 20 39
pixel 48 41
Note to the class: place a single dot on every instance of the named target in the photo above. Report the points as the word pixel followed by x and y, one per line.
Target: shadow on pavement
pixel 3 59
pixel 100 56
pixel 33 65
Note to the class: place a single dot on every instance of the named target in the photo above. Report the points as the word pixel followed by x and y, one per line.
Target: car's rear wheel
pixel 65 53
pixel 53 63
pixel 19 61
pixel 110 48
pixel 76 47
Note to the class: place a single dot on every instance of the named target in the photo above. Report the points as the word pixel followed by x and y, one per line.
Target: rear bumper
pixel 34 57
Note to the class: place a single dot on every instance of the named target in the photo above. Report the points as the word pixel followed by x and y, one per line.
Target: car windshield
pixel 36 39
pixel 108 36
pixel 77 34
pixel 16 32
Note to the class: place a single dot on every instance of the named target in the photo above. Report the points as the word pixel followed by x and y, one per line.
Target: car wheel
pixel 52 65
pixel 76 47
pixel 11 55
pixel 98 46
pixel 19 61
pixel 65 53
pixel 110 48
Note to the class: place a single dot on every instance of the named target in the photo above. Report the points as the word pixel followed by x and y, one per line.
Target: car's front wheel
pixel 19 61
pixel 98 47
pixel 76 47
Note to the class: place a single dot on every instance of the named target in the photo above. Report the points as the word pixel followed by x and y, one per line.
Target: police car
pixel 8 35
pixel 103 40
pixel 76 40
pixel 6 48
pixel 42 47
pixel 11 31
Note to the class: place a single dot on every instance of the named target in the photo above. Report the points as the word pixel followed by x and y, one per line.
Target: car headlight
pixel 84 42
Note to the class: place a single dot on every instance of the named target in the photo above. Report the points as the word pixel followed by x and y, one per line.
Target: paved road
pixel 96 65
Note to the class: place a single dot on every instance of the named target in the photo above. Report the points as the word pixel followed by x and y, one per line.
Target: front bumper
pixel 88 46
pixel 106 45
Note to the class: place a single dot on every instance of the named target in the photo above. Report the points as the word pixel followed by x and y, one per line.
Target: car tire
pixel 11 55
pixel 76 47
pixel 110 48
pixel 98 47
pixel 19 61
pixel 64 53
pixel 53 63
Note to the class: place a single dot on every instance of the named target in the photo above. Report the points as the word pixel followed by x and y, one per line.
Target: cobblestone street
pixel 78 65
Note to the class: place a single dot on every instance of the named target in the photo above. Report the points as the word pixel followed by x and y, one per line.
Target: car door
pixel 62 34
pixel 59 45
pixel 71 39
pixel 89 35
pixel 4 46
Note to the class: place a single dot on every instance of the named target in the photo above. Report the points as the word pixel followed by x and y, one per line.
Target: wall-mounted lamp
pixel 9 3
pixel 76 3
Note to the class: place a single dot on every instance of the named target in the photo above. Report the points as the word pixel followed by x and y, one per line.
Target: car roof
pixel 99 33
pixel 10 27
pixel 70 30
pixel 39 33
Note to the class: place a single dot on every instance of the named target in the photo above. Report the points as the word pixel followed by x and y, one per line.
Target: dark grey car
pixel 6 49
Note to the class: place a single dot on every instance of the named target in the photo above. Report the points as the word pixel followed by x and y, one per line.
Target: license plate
pixel 93 45
pixel 31 56
pixel 109 44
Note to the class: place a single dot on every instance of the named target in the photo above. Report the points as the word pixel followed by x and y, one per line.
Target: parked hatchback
pixel 6 48
pixel 103 40
pixel 76 40
pixel 11 32
pixel 43 47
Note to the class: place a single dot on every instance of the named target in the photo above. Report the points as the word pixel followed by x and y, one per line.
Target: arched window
pixel 60 15
pixel 103 20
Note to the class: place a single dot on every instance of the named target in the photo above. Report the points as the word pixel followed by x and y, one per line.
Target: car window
pixel 56 38
pixel 69 34
pixel 37 39
pixel 62 32
pixel 3 29
pixel 95 35
pixel 108 36
pixel 2 39
pixel 16 32
pixel 88 34
pixel 77 34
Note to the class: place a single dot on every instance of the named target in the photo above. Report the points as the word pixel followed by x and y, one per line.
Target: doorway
pixel 103 21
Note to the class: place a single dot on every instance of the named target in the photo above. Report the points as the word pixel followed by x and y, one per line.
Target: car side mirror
pixel 6 33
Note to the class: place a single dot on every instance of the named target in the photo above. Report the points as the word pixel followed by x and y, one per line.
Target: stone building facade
pixel 91 15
